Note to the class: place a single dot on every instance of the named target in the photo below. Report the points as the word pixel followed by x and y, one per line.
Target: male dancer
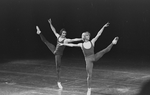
pixel 88 50
pixel 58 50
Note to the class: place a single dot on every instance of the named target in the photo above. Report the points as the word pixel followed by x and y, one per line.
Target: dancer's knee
pixel 89 77
pixel 58 69
pixel 106 50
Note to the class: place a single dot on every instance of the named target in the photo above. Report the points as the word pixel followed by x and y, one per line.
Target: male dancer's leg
pixel 58 69
pixel 58 65
pixel 49 45
pixel 99 54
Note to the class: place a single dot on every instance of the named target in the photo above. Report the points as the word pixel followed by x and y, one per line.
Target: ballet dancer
pixel 58 50
pixel 88 50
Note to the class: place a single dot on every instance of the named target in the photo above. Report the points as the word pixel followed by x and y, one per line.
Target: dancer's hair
pixel 86 33
pixel 61 31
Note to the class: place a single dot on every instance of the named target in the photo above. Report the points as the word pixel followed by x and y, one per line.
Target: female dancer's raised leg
pixel 99 54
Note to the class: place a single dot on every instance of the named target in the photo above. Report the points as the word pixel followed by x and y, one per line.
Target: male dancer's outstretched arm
pixel 53 29
pixel 93 40
pixel 99 33
pixel 72 45
pixel 72 40
pixel 67 40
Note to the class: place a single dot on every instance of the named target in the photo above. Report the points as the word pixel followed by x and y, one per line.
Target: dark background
pixel 129 19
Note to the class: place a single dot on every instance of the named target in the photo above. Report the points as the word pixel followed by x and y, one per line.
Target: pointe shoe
pixel 59 85
pixel 89 91
pixel 115 40
pixel 38 30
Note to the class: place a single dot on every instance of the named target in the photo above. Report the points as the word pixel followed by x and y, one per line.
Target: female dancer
pixel 58 50
pixel 88 50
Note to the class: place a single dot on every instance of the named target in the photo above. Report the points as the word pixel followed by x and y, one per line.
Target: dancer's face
pixel 63 34
pixel 85 36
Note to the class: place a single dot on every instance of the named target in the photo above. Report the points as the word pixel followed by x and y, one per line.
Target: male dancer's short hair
pixel 61 31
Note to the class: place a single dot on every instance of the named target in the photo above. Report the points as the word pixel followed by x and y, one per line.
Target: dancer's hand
pixel 61 44
pixel 107 24
pixel 50 21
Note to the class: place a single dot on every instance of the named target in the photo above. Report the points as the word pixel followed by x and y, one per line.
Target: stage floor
pixel 38 77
